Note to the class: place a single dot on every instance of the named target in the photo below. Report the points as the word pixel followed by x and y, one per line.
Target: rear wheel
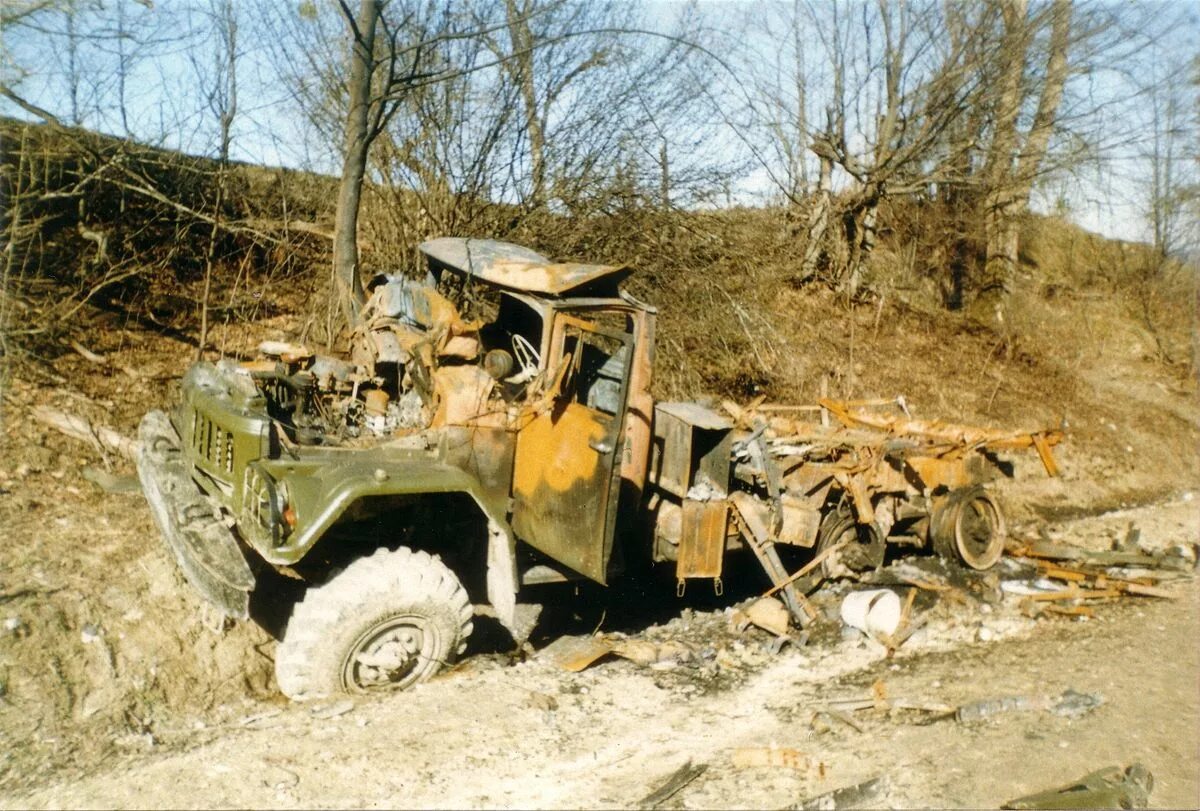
pixel 969 526
pixel 861 548
pixel 385 622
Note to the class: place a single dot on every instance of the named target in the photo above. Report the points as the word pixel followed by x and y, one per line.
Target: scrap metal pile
pixel 847 478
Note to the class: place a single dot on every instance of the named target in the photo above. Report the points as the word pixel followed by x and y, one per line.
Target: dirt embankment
pixel 115 690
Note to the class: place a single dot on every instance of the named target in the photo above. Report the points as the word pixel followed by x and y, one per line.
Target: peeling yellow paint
pixel 548 450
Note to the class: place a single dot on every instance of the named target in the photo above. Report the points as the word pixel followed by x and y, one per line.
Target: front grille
pixel 212 443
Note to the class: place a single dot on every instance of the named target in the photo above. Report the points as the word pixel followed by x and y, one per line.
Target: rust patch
pixel 514 267
pixel 548 452
pixel 702 541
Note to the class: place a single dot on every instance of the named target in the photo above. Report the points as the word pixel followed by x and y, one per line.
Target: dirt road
pixel 529 735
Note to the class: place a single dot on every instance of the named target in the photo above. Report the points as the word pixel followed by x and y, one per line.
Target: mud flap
pixel 502 577
pixel 205 549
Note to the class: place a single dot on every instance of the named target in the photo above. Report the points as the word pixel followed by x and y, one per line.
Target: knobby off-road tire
pixel 385 622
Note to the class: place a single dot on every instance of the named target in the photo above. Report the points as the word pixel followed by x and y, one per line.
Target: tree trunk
pixel 859 224
pixel 1000 264
pixel 227 99
pixel 818 221
pixel 522 71
pixel 1013 166
pixel 664 177
pixel 354 166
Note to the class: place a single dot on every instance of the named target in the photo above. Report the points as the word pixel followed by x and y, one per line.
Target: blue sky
pixel 164 71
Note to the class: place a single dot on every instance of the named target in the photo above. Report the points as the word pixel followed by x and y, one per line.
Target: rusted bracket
pixel 1042 446
pixel 760 542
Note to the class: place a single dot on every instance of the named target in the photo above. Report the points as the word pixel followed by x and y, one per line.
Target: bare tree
pixel 363 29
pixel 221 98
pixel 896 80
pixel 1014 157
pixel 1171 155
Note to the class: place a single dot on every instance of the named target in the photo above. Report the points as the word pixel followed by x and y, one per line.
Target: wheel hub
pixel 861 546
pixel 391 654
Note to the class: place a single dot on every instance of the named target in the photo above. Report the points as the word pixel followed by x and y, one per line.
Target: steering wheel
pixel 527 358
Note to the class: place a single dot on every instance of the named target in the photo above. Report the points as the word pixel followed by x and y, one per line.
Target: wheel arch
pixel 331 495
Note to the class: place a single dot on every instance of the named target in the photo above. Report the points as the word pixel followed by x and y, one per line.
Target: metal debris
pixel 576 653
pixel 1106 788
pixel 752 757
pixel 859 795
pixel 1070 704
pixel 1046 549
pixel 766 613
pixel 682 776
pixel 325 712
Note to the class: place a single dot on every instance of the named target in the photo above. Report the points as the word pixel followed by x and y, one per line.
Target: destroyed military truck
pixel 492 428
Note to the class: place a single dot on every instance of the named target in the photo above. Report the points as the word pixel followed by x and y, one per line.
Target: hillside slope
pixel 102 646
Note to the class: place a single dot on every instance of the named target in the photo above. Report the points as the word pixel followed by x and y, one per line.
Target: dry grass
pixel 1097 329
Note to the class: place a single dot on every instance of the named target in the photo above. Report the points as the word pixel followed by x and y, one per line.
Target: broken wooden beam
pixel 100 437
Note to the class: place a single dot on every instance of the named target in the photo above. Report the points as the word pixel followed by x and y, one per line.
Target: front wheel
pixel 385 622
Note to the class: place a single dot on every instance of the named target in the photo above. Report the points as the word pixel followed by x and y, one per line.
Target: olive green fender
pixel 320 493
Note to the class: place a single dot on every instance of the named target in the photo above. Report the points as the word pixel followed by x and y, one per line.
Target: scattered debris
pixel 89 634
pixel 109 482
pixel 257 719
pixel 1073 704
pixel 751 757
pixel 1102 582
pixel 1046 549
pixel 576 653
pixel 859 795
pixel 653 654
pixel 1106 788
pixel 1070 704
pixel 880 701
pixel 766 613
pixel 325 712
pixel 683 775
pixel 907 625
pixel 101 437
pixel 820 722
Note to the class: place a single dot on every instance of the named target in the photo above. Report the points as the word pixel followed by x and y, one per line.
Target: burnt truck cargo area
pixel 518 390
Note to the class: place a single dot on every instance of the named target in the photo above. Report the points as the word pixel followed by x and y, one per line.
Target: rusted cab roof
pixel 511 266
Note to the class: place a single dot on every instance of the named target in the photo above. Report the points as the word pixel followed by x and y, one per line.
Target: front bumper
pixel 207 552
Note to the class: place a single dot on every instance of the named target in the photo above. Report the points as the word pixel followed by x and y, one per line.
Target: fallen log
pixel 100 437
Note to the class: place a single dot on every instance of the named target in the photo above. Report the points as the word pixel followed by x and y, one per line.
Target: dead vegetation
pixel 101 327
pixel 105 233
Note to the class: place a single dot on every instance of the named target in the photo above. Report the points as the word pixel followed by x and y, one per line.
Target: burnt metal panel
pixel 696 415
pixel 512 266
pixel 692 446
pixel 566 475
pixel 561 487
pixel 801 520
pixel 702 541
